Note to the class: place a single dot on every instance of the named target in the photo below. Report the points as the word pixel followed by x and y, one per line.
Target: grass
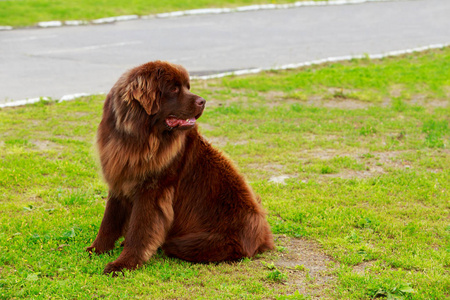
pixel 365 145
pixel 29 12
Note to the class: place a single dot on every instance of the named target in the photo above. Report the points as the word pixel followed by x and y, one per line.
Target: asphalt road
pixel 88 59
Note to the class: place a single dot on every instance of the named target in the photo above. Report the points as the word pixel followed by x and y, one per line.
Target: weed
pixel 300 268
pixel 295 296
pixel 276 276
pixel 367 130
pixel 435 131
pixel 395 292
pixel 399 105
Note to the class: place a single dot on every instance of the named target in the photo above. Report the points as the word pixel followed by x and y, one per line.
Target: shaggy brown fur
pixel 168 187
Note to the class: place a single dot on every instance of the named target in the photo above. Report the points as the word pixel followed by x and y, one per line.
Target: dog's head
pixel 160 92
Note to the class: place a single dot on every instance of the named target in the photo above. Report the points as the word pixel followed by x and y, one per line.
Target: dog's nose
pixel 200 101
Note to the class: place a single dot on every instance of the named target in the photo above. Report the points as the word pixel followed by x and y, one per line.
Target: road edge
pixel 252 71
pixel 191 12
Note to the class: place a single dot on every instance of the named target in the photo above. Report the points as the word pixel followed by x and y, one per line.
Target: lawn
pixel 360 151
pixel 29 12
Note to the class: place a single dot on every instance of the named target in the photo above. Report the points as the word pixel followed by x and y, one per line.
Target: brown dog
pixel 167 185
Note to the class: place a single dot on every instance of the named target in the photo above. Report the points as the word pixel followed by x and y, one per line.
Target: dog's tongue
pixel 174 122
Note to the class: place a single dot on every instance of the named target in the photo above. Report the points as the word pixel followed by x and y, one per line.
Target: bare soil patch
pixel 44 145
pixel 378 164
pixel 270 167
pixel 279 179
pixel 309 269
pixel 217 141
pixel 270 171
pixel 65 137
pixel 80 114
pixel 345 103
pixel 438 103
pixel 207 127
pixel 348 174
pixel 331 153
pixel 361 268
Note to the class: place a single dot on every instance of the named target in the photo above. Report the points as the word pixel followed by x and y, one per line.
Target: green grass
pixel 29 12
pixel 365 144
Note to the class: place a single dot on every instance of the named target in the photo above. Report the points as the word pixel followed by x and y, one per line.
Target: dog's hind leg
pixel 252 238
pixel 204 247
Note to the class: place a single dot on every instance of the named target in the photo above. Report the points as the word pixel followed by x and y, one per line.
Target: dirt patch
pixel 418 99
pixel 80 114
pixel 276 98
pixel 328 137
pixel 331 153
pixel 349 174
pixel 272 167
pixel 243 142
pixel 273 95
pixel 396 90
pixel 207 127
pixel 266 170
pixel 74 138
pixel 424 100
pixel 213 103
pixel 44 145
pixel 309 269
pixel 438 103
pixel 360 269
pixel 36 199
pixel 235 96
pixel 279 179
pixel 376 165
pixel 343 99
pixel 345 104
pixel 389 159
pixel 217 141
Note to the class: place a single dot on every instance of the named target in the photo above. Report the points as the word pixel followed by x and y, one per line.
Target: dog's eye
pixel 175 89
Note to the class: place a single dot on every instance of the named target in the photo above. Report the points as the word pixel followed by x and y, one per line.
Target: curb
pixel 34 100
pixel 253 71
pixel 323 61
pixel 200 11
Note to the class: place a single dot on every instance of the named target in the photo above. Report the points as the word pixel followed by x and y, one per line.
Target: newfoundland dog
pixel 168 187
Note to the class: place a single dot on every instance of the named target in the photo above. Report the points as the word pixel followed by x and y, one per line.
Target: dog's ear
pixel 144 89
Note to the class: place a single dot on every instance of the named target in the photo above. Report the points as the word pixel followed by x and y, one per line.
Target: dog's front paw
pixel 117 268
pixel 98 249
pixel 114 268
pixel 91 249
